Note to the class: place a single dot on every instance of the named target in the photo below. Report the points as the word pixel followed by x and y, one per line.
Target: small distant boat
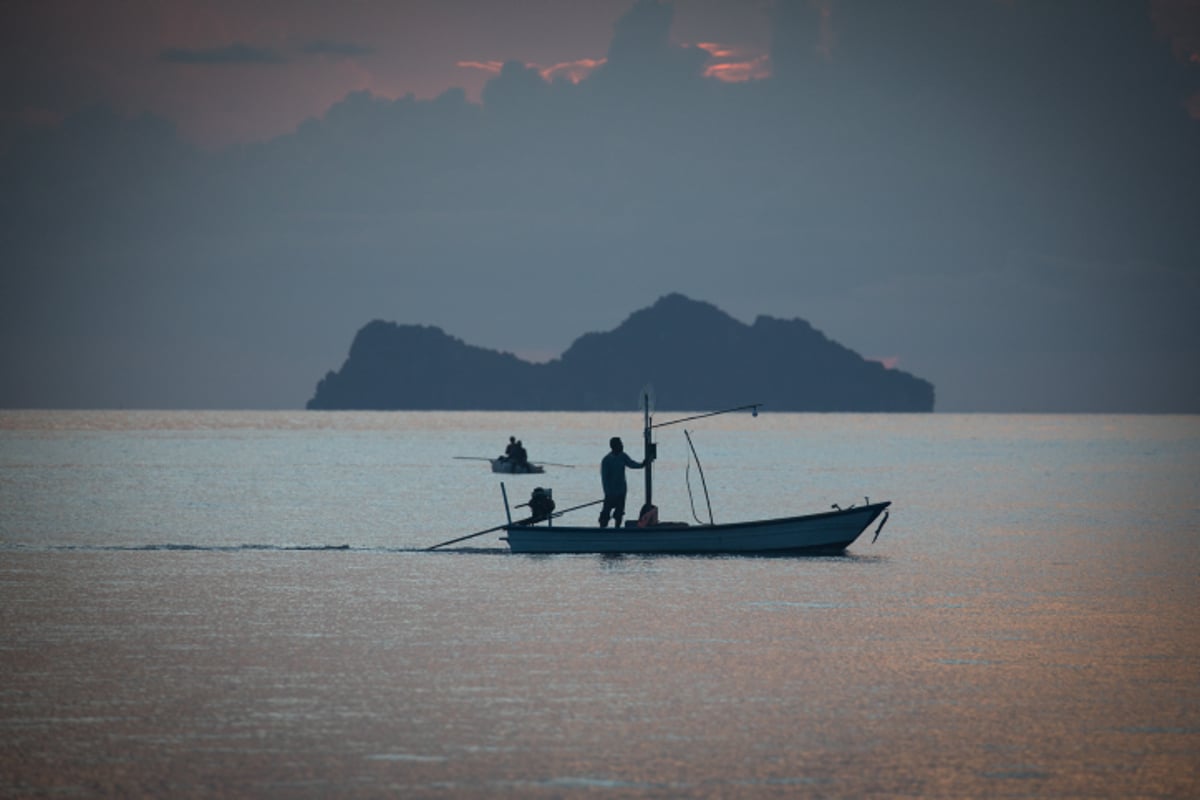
pixel 507 466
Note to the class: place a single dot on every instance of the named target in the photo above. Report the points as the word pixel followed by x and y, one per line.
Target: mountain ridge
pixel 695 355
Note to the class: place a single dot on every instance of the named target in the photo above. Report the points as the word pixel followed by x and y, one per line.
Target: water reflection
pixel 215 607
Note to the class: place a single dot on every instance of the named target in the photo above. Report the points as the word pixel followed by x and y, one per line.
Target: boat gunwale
pixel 874 508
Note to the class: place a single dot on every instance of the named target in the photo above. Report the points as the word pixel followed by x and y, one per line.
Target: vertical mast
pixel 647 448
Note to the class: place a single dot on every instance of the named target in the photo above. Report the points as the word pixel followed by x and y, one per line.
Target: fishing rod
pixel 754 406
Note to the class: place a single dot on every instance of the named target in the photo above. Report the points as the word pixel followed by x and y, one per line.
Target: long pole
pixel 500 527
pixel 754 406
pixel 464 538
pixel 647 449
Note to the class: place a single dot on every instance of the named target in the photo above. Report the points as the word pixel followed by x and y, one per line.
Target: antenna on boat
pixel 649 450
pixel 646 397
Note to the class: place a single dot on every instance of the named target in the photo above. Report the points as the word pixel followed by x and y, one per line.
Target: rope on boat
pixel 687 480
pixel 886 514
pixel 703 482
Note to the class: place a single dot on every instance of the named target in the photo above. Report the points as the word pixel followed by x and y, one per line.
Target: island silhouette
pixel 695 355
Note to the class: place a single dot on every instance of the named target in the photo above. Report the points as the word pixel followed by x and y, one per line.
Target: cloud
pixel 493 67
pixel 236 53
pixel 571 71
pixel 325 47
pixel 641 57
pixel 1179 22
pixel 978 186
pixel 36 117
pixel 734 65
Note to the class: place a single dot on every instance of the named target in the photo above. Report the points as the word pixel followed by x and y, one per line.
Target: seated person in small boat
pixel 521 458
pixel 612 478
pixel 541 505
pixel 515 454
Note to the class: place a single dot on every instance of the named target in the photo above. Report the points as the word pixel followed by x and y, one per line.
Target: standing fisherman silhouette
pixel 612 477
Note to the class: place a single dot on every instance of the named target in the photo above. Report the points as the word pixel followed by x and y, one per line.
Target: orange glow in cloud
pixel 487 66
pixel 717 50
pixel 889 362
pixel 730 64
pixel 739 71
pixel 733 65
pixel 574 71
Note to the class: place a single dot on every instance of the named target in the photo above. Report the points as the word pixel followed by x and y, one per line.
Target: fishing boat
pixel 819 533
pixel 811 534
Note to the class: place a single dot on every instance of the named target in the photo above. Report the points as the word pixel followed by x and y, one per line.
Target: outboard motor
pixel 541 504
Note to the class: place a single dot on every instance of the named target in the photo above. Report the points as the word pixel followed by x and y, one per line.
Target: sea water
pixel 239 605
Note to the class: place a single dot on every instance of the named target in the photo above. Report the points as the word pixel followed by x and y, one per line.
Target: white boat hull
pixel 829 532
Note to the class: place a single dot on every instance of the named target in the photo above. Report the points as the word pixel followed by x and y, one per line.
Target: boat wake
pixel 234 548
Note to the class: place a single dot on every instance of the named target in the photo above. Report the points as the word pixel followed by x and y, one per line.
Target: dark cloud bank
pixel 236 53
pixel 1003 195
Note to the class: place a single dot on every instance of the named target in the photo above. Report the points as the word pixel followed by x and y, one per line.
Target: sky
pixel 201 202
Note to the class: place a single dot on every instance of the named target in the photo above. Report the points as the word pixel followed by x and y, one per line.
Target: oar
pixel 464 538
pixel 545 463
pixel 499 527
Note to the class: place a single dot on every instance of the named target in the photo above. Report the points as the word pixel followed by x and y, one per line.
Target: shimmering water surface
pixel 236 604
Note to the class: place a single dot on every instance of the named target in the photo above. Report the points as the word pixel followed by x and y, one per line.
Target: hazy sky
pixel 201 202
